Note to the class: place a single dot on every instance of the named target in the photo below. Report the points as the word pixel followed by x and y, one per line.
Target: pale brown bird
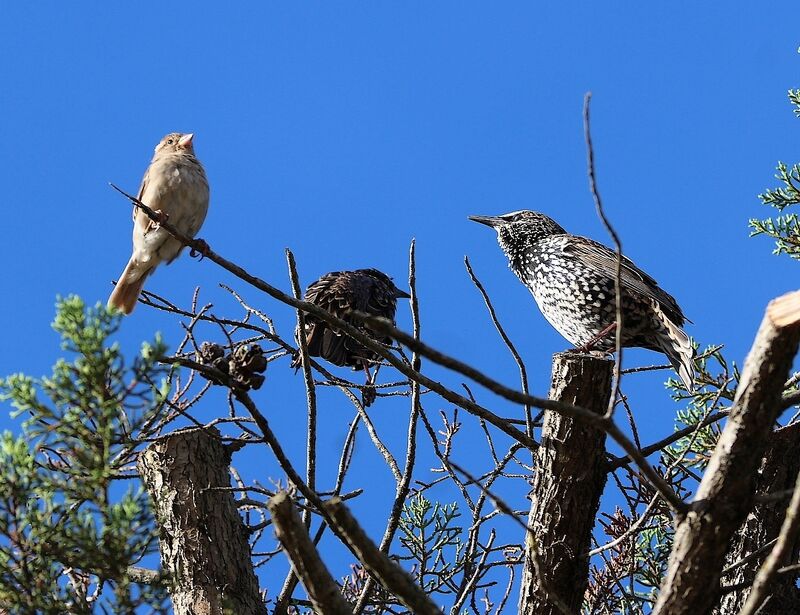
pixel 174 185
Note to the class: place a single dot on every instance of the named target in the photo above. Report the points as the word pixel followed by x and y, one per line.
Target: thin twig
pixel 617 244
pixel 523 374
pixel 603 422
pixel 311 392
pixel 404 483
pixel 290 582
pixel 617 462
pixel 341 325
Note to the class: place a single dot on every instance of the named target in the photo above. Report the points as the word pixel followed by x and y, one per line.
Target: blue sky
pixel 345 132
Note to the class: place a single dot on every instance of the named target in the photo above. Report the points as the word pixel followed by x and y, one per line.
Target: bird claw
pixel 201 249
pixel 160 218
pixel 368 396
pixel 297 360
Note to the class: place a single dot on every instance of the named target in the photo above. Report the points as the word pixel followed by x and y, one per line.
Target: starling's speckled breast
pixel 576 299
pixel 573 279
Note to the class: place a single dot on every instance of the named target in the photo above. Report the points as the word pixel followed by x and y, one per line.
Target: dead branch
pixel 602 422
pixel 389 575
pixel 324 593
pixel 202 247
pixel 727 490
pixel 587 132
pixel 403 485
pixel 523 373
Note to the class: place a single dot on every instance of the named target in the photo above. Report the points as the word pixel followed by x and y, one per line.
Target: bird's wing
pixel 332 293
pixel 142 188
pixel 634 280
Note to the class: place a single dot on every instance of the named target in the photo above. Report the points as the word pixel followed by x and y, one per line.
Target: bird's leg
pixel 369 394
pixel 201 249
pixel 592 342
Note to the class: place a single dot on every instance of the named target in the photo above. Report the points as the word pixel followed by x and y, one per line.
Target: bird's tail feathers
pixel 678 348
pixel 126 292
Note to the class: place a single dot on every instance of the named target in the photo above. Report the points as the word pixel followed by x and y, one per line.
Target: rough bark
pixel 778 470
pixel 726 493
pixel 569 480
pixel 322 590
pixel 203 541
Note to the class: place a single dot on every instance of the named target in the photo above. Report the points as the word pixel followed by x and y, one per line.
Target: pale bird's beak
pixel 492 221
pixel 186 141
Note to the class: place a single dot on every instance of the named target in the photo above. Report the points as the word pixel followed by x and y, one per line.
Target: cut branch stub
pixel 725 495
pixel 204 547
pixel 569 480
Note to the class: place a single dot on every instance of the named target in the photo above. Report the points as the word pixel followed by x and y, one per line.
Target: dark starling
pixel 572 280
pixel 341 293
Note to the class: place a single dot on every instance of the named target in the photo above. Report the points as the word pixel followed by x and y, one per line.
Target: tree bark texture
pixel 726 493
pixel 779 468
pixel 569 480
pixel 203 541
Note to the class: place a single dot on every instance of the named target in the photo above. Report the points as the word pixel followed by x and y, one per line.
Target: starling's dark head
pixel 384 282
pixel 519 229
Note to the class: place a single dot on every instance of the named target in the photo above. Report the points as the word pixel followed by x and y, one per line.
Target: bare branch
pixel 411 443
pixel 570 410
pixel 389 574
pixel 726 492
pixel 311 392
pixel 322 590
pixel 523 374
pixel 340 324
pixel 616 462
pixel 587 99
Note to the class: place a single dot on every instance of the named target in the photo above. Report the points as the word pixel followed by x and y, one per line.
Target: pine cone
pixel 246 364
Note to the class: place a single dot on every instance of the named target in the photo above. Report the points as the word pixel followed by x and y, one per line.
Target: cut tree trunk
pixel 204 547
pixel 569 480
pixel 726 493
pixel 778 471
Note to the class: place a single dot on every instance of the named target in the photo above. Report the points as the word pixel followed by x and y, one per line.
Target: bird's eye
pixel 170 141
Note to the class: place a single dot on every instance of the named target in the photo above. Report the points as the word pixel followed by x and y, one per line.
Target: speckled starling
pixel 341 293
pixel 572 280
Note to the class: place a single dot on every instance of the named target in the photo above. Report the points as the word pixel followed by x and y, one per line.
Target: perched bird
pixel 572 280
pixel 341 293
pixel 175 186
